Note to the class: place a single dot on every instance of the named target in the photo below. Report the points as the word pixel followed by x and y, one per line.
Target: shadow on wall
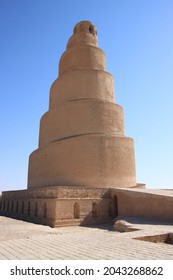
pixel 101 212
pixel 21 210
pixel 84 211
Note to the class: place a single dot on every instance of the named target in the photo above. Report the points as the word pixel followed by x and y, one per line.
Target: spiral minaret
pixel 81 140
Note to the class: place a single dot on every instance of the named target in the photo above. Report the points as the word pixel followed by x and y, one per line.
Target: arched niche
pixel 76 210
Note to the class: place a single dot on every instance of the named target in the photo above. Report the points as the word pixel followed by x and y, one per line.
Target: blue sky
pixel 137 37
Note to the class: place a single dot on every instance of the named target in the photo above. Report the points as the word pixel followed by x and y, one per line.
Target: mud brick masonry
pixel 83 171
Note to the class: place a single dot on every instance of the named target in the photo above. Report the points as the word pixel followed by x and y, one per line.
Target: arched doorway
pixel 111 209
pixel 115 206
pixel 17 206
pixel 29 207
pixel 45 210
pixel 22 207
pixel 4 205
pixel 36 209
pixel 12 206
pixel 76 210
pixel 94 209
pixel 7 205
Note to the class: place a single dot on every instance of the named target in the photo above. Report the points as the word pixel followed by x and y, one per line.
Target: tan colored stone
pixel 81 141
pixel 138 202
pixel 83 117
pixel 94 84
pixel 121 226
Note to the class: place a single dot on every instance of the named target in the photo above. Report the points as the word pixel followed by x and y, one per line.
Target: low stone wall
pixel 68 205
pixel 59 206
pixel 144 203
pixel 37 210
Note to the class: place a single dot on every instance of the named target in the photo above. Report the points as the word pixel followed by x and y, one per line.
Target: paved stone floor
pixel 20 240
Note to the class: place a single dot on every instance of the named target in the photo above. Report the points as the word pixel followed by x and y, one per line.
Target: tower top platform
pixel 84 33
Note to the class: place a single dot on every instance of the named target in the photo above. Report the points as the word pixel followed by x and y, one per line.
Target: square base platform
pixel 60 205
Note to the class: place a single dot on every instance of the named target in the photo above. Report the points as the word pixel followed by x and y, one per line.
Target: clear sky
pixel 137 36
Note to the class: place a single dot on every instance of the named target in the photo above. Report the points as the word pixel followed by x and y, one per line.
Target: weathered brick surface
pixel 22 240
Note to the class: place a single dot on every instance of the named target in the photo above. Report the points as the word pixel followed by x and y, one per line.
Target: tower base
pixel 70 206
pixel 86 160
pixel 61 205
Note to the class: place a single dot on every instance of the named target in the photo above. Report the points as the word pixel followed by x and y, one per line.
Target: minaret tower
pixel 81 141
